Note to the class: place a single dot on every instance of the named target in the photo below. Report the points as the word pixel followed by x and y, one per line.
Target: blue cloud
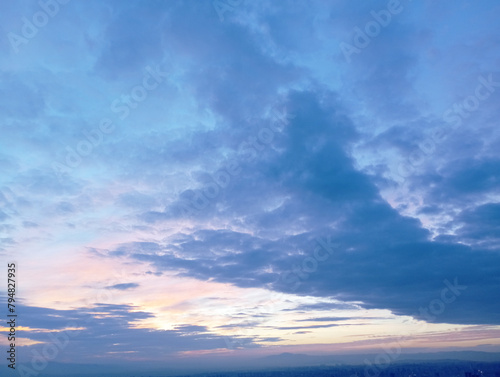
pixel 379 249
pixel 123 286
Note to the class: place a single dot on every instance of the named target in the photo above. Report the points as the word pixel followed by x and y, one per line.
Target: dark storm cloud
pixel 384 259
pixel 481 226
pixel 465 177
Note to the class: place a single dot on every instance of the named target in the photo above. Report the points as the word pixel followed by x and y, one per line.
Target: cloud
pixel 123 286
pixel 114 326
pixel 379 249
pixel 481 226
pixel 468 177
pixel 334 319
pixel 327 306
pixel 307 327
pixel 130 44
pixel 326 175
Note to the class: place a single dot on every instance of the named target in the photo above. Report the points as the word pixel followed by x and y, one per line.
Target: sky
pixel 237 179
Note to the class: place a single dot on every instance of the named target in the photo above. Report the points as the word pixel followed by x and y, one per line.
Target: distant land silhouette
pixel 439 364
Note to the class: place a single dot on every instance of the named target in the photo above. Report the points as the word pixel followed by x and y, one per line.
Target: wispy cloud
pixel 123 286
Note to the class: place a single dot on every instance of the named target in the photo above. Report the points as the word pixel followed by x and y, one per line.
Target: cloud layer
pixel 215 153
